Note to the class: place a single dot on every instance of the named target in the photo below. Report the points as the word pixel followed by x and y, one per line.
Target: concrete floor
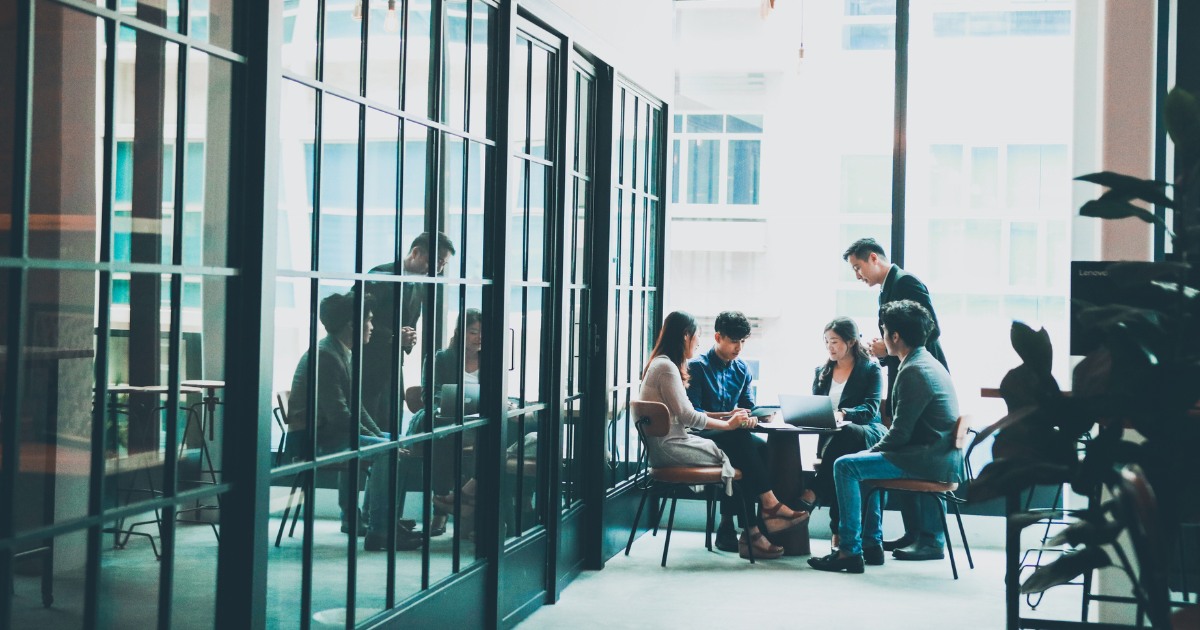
pixel 699 589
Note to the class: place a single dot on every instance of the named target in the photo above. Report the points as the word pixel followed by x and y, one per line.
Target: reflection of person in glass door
pixel 378 370
pixel 871 265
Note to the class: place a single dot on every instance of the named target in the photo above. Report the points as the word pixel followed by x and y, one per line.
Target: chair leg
pixel 636 519
pixel 658 521
pixel 949 547
pixel 670 524
pixel 287 510
pixel 708 518
pixel 746 521
pixel 296 514
pixel 962 532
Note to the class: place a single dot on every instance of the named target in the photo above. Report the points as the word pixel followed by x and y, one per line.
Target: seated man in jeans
pixel 920 445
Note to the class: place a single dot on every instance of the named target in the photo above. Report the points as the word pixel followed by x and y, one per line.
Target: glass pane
pixel 985 176
pixel 1022 253
pixel 705 123
pixel 539 95
pixel 478 157
pixel 129 581
pixel 441 535
pixel 515 239
pixel 675 156
pixel 454 53
pixel 300 38
pixel 297 169
pixel 289 434
pixel 628 132
pixel 339 185
pixel 538 193
pixel 144 130
pixel 418 58
pixel 745 123
pixel 206 173
pixel 285 559
pixel 202 372
pixel 136 447
pixel 865 183
pixel 743 173
pixel 59 381
pixel 194 596
pixel 533 344
pixel 412 509
pixel 66 152
pixel 211 21
pixel 453 183
pixel 704 161
pixel 515 345
pixel 482 16
pixel 654 147
pixel 343 46
pixel 415 186
pixel 384 42
pixel 381 190
pixel 518 116
pixel 583 123
pixel 642 155
pixel 579 261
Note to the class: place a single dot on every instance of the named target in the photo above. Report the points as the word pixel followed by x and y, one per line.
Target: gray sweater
pixel 921 440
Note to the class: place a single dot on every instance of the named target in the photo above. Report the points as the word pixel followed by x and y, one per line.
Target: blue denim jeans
pixel 861 528
pixel 377 489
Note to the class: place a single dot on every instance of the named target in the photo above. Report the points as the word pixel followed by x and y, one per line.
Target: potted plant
pixel 1144 375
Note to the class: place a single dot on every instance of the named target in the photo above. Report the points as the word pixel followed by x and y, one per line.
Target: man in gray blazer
pixel 920 445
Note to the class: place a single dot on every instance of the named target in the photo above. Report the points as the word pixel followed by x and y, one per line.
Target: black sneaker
pixel 897 543
pixel 405 541
pixel 919 552
pixel 727 538
pixel 833 563
pixel 873 556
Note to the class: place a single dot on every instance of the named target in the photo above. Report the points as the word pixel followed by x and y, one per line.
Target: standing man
pixel 378 368
pixel 720 384
pixel 871 265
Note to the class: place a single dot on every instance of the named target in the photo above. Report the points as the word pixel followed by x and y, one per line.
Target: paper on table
pixel 775 425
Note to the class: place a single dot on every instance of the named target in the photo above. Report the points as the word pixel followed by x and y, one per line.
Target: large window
pixel 716 159
pixel 988 199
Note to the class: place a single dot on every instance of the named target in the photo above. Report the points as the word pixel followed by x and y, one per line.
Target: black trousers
pixel 851 439
pixel 749 455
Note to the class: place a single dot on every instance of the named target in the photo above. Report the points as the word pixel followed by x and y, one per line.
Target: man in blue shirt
pixel 721 382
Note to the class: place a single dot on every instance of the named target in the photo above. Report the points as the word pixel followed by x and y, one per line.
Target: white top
pixel 471 378
pixel 835 391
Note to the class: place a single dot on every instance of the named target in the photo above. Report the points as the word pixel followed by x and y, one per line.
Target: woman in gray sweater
pixel 665 380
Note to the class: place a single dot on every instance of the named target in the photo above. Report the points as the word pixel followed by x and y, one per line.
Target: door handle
pixel 512 349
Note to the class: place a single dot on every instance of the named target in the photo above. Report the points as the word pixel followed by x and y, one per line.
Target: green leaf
pixel 1183 123
pixel 1126 187
pixel 1065 568
pixel 1033 347
pixel 1118 209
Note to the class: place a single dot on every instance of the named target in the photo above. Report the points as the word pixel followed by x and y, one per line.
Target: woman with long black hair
pixel 854 381
pixel 665 380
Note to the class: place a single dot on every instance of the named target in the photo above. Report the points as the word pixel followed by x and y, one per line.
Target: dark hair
pixel 676 327
pixel 863 248
pixel 733 324
pixel 337 311
pixel 421 242
pixel 847 330
pixel 474 316
pixel 909 320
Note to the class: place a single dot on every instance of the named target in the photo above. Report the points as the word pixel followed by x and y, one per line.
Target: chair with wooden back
pixel 653 419
pixel 943 491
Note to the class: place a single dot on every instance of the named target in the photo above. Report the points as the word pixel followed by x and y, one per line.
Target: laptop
pixel 808 412
pixel 448 398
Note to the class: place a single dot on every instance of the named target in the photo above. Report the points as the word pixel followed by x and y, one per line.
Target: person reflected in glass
pixel 666 379
pixel 720 383
pixel 853 381
pixel 921 444
pixel 335 423
pixel 378 369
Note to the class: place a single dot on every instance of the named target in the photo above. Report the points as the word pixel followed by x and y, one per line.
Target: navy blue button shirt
pixel 718 386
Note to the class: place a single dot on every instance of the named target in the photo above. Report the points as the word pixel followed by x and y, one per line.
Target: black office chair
pixel 654 419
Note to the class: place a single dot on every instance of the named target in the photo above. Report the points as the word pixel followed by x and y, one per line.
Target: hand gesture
pixel 878 349
pixel 408 338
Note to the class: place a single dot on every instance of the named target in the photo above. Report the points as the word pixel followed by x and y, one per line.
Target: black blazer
pixel 901 285
pixel 860 396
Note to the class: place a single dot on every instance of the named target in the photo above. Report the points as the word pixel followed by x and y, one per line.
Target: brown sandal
pixel 771 515
pixel 744 543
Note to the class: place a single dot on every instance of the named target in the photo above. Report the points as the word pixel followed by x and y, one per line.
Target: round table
pixel 783 459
